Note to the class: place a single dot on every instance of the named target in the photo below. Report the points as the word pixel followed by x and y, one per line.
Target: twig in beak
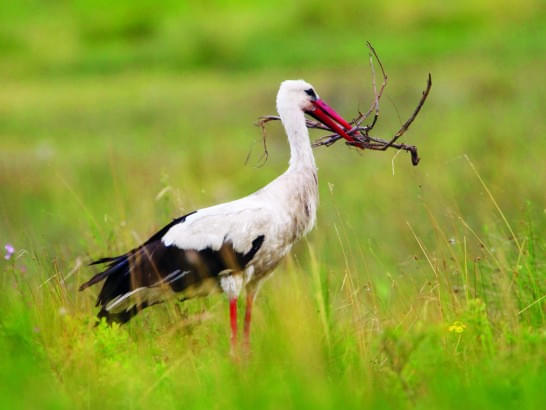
pixel 360 134
pixel 265 156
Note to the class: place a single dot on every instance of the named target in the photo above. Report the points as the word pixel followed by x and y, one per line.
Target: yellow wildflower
pixel 457 327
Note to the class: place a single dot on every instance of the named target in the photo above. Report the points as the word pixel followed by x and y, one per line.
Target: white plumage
pixel 230 246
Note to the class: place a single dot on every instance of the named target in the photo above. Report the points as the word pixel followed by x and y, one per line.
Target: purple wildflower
pixel 9 251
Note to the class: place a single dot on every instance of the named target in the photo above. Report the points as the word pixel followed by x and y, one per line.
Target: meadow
pixel 420 287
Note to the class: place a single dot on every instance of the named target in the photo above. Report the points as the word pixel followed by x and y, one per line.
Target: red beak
pixel 326 115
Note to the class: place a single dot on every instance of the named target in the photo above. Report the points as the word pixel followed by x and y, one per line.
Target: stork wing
pixel 186 257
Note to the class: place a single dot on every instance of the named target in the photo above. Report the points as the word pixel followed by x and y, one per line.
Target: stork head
pixel 300 95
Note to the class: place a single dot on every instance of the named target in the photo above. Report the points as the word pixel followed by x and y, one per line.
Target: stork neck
pixel 301 152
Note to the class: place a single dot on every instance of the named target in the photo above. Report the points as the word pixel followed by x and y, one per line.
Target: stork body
pixel 227 247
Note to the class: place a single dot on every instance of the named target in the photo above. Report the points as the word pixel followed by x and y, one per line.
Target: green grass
pixel 420 287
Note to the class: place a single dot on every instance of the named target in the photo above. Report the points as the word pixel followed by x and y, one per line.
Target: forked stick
pixel 360 133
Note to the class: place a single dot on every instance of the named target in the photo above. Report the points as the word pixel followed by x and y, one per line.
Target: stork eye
pixel 311 93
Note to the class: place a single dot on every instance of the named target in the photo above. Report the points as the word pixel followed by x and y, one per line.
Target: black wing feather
pixel 153 264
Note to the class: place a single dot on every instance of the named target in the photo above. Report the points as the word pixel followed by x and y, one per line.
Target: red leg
pixel 233 318
pixel 248 315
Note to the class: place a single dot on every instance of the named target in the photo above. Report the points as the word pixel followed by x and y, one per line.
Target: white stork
pixel 230 246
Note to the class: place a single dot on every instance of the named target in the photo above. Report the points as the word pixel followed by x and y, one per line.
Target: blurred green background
pixel 117 116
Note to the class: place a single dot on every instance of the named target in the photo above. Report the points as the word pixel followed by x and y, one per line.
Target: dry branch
pixel 360 133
